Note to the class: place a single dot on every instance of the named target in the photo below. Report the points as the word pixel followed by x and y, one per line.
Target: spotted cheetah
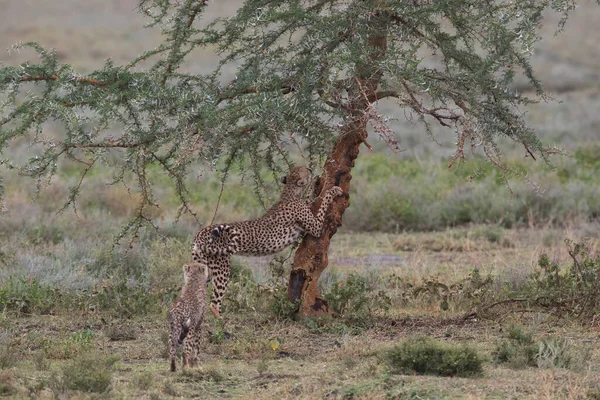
pixel 187 313
pixel 283 224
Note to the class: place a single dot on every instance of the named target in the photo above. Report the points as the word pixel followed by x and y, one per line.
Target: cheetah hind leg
pixel 173 337
pixel 192 346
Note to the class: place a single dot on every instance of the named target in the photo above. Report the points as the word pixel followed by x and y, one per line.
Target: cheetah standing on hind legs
pixel 283 224
pixel 186 315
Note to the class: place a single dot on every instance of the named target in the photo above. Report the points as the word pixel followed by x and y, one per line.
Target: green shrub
pixel 90 373
pixel 127 301
pixel 574 291
pixel 247 295
pixel 28 296
pixel 517 350
pixel 357 298
pixel 426 356
pixel 555 352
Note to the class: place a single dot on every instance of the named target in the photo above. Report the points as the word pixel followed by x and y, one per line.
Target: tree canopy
pixel 303 71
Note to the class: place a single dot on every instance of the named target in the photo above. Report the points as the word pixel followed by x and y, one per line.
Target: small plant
pixel 357 299
pixel 90 373
pixel 280 306
pixel 554 352
pixel 426 356
pixel 517 350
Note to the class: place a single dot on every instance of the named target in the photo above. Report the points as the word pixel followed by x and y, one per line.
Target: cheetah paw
pixel 215 311
pixel 336 191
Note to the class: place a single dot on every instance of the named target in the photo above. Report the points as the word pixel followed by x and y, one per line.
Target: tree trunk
pixel 311 259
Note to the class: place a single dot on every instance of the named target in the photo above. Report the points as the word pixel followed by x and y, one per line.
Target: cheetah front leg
pixel 314 225
pixel 221 272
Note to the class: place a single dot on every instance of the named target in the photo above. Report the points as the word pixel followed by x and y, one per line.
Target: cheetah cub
pixel 187 313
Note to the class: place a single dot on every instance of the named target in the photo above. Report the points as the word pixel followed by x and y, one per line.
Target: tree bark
pixel 311 259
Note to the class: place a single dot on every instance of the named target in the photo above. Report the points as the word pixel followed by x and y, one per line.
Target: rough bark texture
pixel 311 259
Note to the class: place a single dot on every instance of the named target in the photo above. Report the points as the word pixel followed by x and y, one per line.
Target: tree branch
pixel 54 77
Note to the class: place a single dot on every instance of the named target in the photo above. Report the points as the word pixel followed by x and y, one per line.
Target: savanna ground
pixel 422 247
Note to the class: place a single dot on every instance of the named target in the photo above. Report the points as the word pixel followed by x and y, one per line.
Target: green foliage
pixel 91 373
pixel 517 349
pixel 247 295
pixel 574 291
pixel 28 296
pixel 426 356
pixel 555 352
pixel 357 299
pixel 473 290
pixel 284 91
pixel 475 193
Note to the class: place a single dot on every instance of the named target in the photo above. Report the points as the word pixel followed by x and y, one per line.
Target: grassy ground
pixel 261 354
pixel 65 297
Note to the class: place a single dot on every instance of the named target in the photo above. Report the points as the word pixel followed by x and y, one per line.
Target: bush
pixel 517 349
pixel 555 352
pixel 245 294
pixel 357 299
pixel 90 373
pixel 426 356
pixel 574 291
pixel 28 297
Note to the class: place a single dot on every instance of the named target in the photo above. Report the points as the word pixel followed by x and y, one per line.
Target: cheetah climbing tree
pixel 294 76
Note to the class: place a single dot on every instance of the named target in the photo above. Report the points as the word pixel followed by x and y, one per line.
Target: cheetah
pixel 187 313
pixel 283 224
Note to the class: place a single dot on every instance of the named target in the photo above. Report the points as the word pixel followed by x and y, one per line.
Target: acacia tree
pixel 308 75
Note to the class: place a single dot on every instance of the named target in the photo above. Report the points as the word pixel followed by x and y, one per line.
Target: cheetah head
pixel 297 180
pixel 195 272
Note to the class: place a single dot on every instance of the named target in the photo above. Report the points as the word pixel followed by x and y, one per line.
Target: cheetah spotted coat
pixel 283 224
pixel 186 315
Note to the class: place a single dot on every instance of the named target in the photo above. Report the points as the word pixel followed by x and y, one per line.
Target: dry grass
pixel 316 366
pixel 268 358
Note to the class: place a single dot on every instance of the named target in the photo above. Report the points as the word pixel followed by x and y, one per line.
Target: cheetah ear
pixel 283 179
pixel 216 232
